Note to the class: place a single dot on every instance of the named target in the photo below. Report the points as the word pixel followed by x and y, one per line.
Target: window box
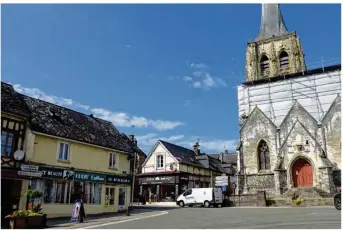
pixel 27 222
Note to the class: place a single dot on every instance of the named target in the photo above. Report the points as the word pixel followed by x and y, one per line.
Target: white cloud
pixel 187 78
pixel 198 66
pixel 150 139
pixel 208 145
pixel 221 82
pixel 202 77
pixel 120 119
pixel 197 84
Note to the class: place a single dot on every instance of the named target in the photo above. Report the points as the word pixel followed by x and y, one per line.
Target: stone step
pixel 309 192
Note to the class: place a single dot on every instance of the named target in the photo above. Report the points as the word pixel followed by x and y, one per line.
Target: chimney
pixel 221 157
pixel 133 139
pixel 196 148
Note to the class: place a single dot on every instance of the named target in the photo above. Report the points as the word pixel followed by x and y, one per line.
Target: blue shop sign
pixel 118 179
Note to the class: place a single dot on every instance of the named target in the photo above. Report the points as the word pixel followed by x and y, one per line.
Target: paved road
pixel 271 218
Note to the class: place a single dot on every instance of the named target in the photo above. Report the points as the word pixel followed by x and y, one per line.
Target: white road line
pixel 123 221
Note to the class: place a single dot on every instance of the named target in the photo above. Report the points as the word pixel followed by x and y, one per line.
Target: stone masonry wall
pixel 256 128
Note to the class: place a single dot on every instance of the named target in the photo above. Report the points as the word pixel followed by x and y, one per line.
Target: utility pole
pixel 133 172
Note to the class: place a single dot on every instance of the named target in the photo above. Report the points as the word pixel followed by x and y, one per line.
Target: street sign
pixel 233 185
pixel 219 184
pixel 222 178
pixel 221 181
pixel 28 173
pixel 29 168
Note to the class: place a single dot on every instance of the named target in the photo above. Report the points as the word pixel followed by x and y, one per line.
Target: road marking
pixel 123 221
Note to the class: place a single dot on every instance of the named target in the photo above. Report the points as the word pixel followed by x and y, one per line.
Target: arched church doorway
pixel 302 173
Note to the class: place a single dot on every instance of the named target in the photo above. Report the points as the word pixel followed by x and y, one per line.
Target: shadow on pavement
pixel 65 221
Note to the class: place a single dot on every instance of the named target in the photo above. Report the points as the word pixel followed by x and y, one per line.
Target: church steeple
pixel 275 51
pixel 272 23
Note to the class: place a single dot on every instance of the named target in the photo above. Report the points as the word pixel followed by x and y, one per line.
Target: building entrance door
pixel 122 198
pixel 109 199
pixel 302 173
pixel 10 198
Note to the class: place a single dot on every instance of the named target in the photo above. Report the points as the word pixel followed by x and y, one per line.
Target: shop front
pixel 163 188
pixel 61 187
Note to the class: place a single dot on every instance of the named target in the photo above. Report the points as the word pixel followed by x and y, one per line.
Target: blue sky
pixel 169 70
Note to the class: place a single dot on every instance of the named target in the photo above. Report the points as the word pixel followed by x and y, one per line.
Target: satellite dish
pixel 19 155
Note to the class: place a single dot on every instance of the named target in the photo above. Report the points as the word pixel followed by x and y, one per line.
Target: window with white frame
pixel 159 161
pixel 112 160
pixel 63 151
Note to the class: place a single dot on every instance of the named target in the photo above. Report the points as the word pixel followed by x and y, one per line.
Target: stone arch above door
pixel 302 172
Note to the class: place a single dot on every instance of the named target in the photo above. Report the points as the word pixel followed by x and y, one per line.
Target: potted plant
pixel 30 218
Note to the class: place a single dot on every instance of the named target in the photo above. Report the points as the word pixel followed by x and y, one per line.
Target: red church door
pixel 302 173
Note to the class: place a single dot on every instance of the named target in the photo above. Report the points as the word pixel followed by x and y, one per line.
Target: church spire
pixel 272 23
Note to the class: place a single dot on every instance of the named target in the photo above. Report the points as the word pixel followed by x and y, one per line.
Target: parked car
pixel 337 199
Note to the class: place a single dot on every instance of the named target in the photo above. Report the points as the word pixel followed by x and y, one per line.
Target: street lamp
pixel 133 172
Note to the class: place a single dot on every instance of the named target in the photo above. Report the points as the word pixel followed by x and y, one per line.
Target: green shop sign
pixel 92 177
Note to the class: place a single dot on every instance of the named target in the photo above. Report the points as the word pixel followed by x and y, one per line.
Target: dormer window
pixel 284 60
pixel 264 64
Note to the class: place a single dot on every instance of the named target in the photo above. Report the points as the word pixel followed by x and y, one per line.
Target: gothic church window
pixel 263 155
pixel 264 64
pixel 284 60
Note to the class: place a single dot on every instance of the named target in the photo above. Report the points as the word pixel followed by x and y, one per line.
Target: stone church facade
pixel 290 117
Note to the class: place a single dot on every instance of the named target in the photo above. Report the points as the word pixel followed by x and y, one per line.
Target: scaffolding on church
pixel 315 92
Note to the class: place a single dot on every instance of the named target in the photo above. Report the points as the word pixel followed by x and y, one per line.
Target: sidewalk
pixel 64 222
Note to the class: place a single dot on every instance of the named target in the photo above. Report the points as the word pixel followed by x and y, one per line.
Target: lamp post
pixel 133 172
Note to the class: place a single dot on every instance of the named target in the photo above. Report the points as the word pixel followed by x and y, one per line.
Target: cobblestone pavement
pixel 271 218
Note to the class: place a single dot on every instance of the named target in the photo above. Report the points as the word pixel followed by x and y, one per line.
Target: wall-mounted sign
pixel 118 179
pixel 184 178
pixel 157 180
pixel 29 168
pixel 68 175
pixel 30 174
pixel 51 172
pixel 91 177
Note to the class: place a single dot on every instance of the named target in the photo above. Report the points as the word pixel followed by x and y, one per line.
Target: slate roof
pixel 215 164
pixel 66 123
pixel 188 156
pixel 229 158
pixel 135 147
pixel 183 155
pixel 12 102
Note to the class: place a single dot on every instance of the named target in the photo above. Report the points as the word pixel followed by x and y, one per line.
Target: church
pixel 290 116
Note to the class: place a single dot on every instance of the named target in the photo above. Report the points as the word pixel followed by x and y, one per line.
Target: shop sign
pixel 184 178
pixel 51 172
pixel 118 179
pixel 158 180
pixel 92 177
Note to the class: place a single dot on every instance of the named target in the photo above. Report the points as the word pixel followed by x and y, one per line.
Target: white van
pixel 201 196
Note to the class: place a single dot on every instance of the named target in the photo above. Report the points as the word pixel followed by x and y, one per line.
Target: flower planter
pixel 27 222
